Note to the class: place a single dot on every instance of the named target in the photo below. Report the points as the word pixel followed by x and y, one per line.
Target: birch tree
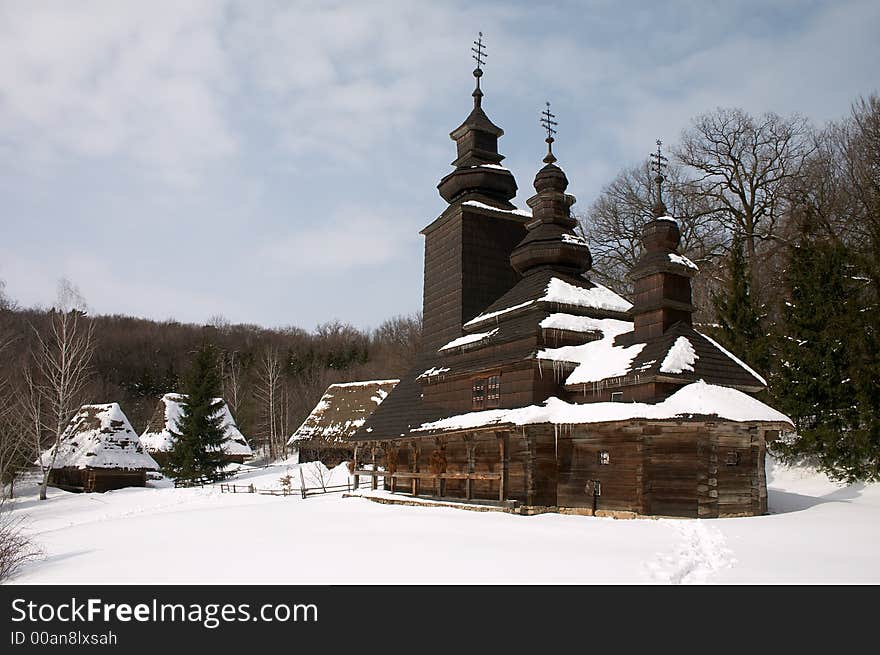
pixel 269 394
pixel 61 361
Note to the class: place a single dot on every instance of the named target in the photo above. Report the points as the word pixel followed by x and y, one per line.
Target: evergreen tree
pixel 738 314
pixel 197 443
pixel 822 381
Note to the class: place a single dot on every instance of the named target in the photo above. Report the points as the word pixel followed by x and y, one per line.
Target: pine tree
pixel 199 437
pixel 738 314
pixel 821 382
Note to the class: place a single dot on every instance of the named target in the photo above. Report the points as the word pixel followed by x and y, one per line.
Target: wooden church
pixel 541 390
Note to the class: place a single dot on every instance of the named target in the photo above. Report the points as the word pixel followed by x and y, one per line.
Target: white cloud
pixel 344 242
pixel 97 79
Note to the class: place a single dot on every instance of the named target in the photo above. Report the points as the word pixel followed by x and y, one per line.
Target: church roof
pixel 555 291
pixel 680 355
pixel 698 400
pixel 403 409
pixel 343 408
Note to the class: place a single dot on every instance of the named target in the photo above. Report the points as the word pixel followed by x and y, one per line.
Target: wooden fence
pixel 303 492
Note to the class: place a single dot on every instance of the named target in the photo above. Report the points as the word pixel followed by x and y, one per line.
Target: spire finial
pixel 658 163
pixel 479 56
pixel 549 124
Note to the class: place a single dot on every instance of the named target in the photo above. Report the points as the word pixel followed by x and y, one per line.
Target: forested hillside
pixel 265 372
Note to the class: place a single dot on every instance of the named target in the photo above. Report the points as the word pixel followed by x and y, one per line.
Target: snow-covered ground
pixel 817 532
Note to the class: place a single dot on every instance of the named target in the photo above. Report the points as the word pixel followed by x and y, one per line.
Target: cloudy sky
pixel 273 162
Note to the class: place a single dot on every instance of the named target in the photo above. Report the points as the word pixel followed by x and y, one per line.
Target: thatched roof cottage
pixel 158 440
pixel 325 434
pixel 99 451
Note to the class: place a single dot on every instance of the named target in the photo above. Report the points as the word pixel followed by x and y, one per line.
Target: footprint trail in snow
pixel 701 553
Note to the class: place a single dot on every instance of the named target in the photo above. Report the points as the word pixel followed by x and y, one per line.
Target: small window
pixel 478 393
pixel 732 458
pixel 617 396
pixel 604 457
pixel 493 396
pixel 593 488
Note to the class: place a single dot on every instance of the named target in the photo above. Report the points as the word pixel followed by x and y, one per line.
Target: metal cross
pixel 658 160
pixel 549 124
pixel 658 163
pixel 479 52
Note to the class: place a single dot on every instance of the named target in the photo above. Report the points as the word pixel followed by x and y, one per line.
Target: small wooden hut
pixel 157 438
pixel 98 451
pixel 326 433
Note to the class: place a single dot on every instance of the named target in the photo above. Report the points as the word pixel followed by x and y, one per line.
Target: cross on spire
pixel 479 56
pixel 658 163
pixel 549 124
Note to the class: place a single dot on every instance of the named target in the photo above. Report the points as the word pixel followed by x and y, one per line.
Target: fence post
pixel 252 487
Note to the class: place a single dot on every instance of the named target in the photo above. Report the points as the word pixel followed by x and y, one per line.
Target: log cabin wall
pixel 685 468
pixel 619 472
pixel 96 480
pixel 640 392
pixel 441 306
pixel 456 394
pixel 467 267
pixel 487 242
pixel 694 469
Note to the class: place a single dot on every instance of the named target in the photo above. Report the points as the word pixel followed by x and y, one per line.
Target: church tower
pixel 662 295
pixel 468 247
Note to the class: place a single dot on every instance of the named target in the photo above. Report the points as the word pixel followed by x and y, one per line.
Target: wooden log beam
pixel 504 454
pixel 356 477
pixel 415 467
pixel 471 465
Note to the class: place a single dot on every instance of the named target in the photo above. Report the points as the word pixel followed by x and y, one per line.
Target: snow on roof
pixel 675 258
pixel 596 360
pixel 681 357
pixel 483 205
pixel 158 438
pixel 734 358
pixel 483 317
pixel 666 218
pixel 695 399
pixel 468 339
pixel 343 409
pixel 365 383
pixel 495 166
pixel 571 323
pixel 561 292
pixel 574 238
pixel 434 370
pixel 100 436
pixel 598 297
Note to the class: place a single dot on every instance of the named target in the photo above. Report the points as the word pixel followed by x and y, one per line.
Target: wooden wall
pixel 668 468
pixel 467 268
pixel 97 480
pixel 455 394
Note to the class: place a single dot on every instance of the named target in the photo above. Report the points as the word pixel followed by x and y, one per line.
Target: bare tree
pixel 61 359
pixel 744 166
pixel 15 547
pixel 13 442
pixel 5 302
pixel 231 378
pixel 613 224
pixel 317 474
pixel 269 394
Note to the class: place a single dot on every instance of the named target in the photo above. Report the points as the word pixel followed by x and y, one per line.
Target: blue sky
pixel 273 162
